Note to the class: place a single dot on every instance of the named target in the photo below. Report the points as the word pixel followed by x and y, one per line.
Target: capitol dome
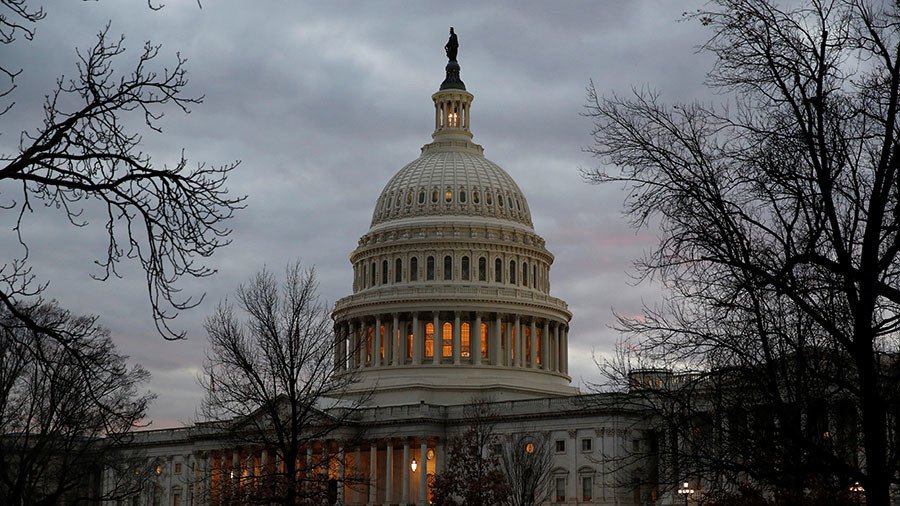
pixel 451 285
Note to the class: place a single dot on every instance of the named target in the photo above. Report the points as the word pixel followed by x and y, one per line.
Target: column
pixel 376 346
pixel 224 477
pixel 564 352
pixel 423 473
pixel 558 347
pixel 342 474
pixel 404 474
pixel 520 340
pixel 545 346
pixel 508 355
pixel 438 344
pixel 354 347
pixel 338 331
pixel 389 474
pixel 533 340
pixel 418 341
pixel 396 350
pixel 373 472
pixel 456 340
pixel 496 357
pixel 475 340
pixel 265 477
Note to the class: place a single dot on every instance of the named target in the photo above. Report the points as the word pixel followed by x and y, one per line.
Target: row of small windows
pixel 512 274
pixel 448 196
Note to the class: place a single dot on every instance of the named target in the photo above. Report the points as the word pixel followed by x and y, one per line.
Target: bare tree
pixel 271 380
pixel 779 218
pixel 65 410
pixel 473 476
pixel 527 462
pixel 166 218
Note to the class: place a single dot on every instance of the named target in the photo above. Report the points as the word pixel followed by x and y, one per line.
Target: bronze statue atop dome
pixel 452 46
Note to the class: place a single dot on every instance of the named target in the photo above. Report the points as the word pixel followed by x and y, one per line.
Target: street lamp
pixel 857 490
pixel 686 491
pixel 413 465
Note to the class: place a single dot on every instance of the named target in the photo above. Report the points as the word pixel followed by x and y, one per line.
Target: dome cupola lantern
pixel 452 103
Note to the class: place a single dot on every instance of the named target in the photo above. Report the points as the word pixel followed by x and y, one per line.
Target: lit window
pixel 447 338
pixel 529 447
pixel 482 269
pixel 464 267
pixel 484 340
pixel 429 269
pixel 527 338
pixel 448 268
pixel 586 444
pixel 370 339
pixel 464 340
pixel 587 488
pixel 560 487
pixel 409 340
pixel 540 347
pixel 158 469
pixel 429 340
pixel 413 269
pixel 560 446
pixel 381 344
pixel 448 196
pixel 434 197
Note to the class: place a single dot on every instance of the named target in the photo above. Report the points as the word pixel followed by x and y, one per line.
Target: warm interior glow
pixel 484 339
pixel 447 338
pixel 429 340
pixel 529 448
pixel 464 339
pixel 413 465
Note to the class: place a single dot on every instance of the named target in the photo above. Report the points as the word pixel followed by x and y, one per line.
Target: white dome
pixel 452 183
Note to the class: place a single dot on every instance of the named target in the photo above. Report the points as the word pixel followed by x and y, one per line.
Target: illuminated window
pixel 370 339
pixel 464 267
pixel 484 340
pixel 434 197
pixel 529 447
pixel 429 269
pixel 381 343
pixel 498 271
pixel 429 340
pixel 527 338
pixel 398 270
pixel 512 342
pixel 448 268
pixel 464 340
pixel 413 269
pixel 482 269
pixel 525 273
pixel 512 271
pixel 448 196
pixel 447 339
pixel 540 336
pixel 409 340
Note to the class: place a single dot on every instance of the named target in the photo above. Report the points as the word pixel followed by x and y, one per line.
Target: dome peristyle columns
pixel 473 338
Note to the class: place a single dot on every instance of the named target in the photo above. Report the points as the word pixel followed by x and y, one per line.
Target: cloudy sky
pixel 323 102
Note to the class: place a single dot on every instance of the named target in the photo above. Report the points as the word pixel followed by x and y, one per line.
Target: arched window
pixel 498 271
pixel 464 267
pixel 527 337
pixel 370 341
pixel 464 340
pixel 429 269
pixel 372 277
pixel 409 198
pixel 413 269
pixel 448 268
pixel 398 270
pixel 475 197
pixel 434 196
pixel 447 340
pixel 489 198
pixel 540 347
pixel 484 340
pixel 421 197
pixel 500 200
pixel 448 196
pixel 482 269
pixel 429 340
pixel 384 272
pixel 462 196
pixel 525 273
pixel 534 275
pixel 381 344
pixel 512 272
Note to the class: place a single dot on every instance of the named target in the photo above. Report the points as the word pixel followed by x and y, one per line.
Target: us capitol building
pixel 451 301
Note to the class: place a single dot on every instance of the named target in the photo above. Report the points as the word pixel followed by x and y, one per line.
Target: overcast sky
pixel 323 102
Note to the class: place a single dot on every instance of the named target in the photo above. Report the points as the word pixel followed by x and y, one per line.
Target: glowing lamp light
pixel 413 465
